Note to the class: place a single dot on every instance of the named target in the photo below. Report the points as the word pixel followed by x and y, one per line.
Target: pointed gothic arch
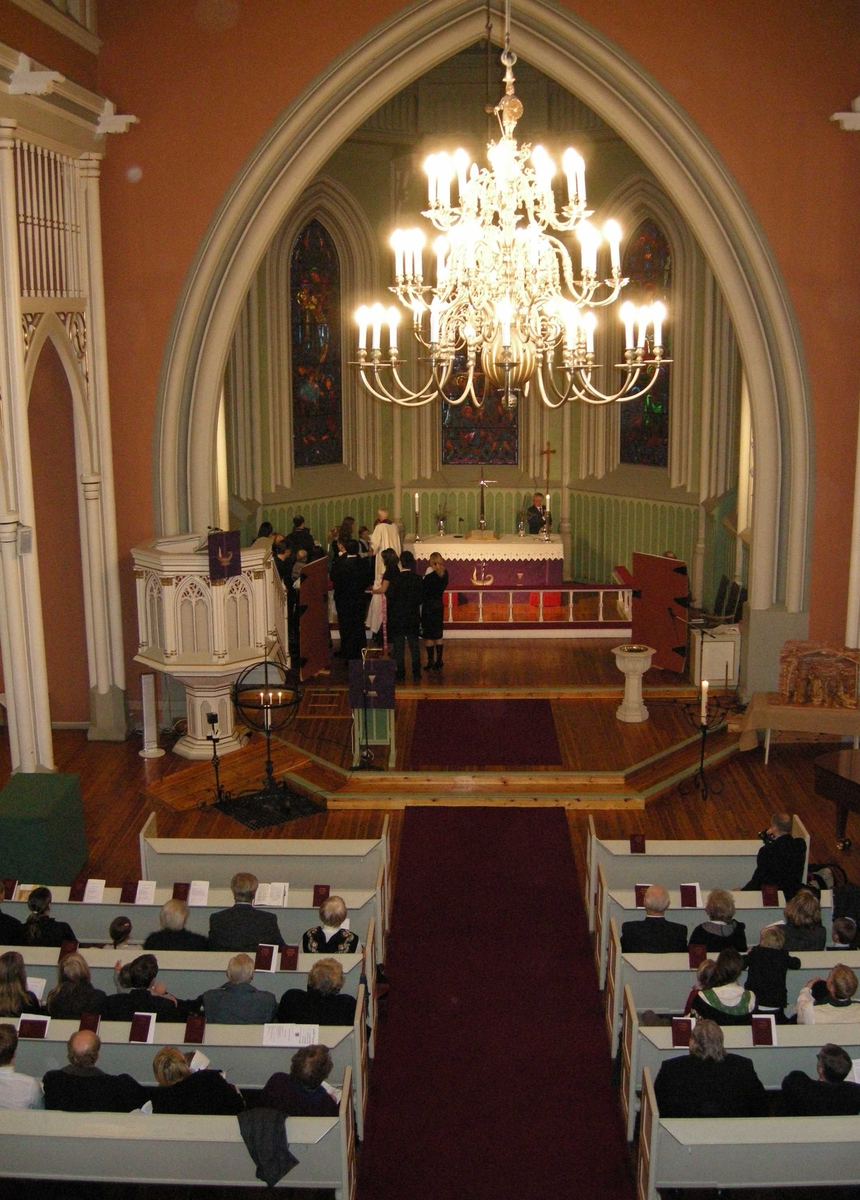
pixel 621 92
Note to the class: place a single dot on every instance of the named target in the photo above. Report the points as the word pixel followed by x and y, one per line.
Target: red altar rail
pixel 528 605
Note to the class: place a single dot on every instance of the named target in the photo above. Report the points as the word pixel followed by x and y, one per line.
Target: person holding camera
pixel 781 859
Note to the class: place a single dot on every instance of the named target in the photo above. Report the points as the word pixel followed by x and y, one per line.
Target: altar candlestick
pixel 416 503
pixel 704 701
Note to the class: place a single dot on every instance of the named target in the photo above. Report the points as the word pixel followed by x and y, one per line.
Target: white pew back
pixel 170 1149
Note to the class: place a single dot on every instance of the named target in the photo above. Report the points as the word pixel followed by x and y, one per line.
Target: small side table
pixel 633 660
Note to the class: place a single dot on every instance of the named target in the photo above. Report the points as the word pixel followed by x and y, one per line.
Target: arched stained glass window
pixel 486 435
pixel 647 263
pixel 316 353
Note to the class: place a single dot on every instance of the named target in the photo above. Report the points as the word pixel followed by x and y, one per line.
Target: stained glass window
pixel 316 354
pixel 647 263
pixel 485 435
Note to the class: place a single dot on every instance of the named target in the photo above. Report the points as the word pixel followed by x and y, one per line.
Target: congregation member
pixel 15 996
pixel 83 1087
pixel 40 928
pixel 329 937
pixel 726 1001
pixel 173 935
pixel 781 859
pixel 301 538
pixel 843 934
pixel 266 536
pixel 322 1001
pixel 768 965
pixel 238 1002
pixel 17 1090
pixel 403 603
pixel 74 994
pixel 302 1093
pixel 706 977
pixel 351 576
pixel 182 1091
pixel 654 934
pixel 536 514
pixel 708 1082
pixel 829 1001
pixel 363 540
pixel 385 536
pixel 243 927
pixel 829 1094
pixel 721 929
pixel 803 927
pixel 10 928
pixel 144 994
pixel 433 610
pixel 119 931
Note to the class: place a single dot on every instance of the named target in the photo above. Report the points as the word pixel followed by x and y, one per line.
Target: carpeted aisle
pixel 492 1071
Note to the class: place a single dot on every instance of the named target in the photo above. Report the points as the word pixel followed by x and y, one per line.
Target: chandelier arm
pixel 409 399
pixel 543 392
pixel 592 395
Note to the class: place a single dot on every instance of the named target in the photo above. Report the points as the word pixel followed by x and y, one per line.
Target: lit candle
pixel 362 315
pixel 571 322
pixel 430 168
pixel 503 316
pixel 589 322
pixel 397 247
pixel 589 240
pixel 461 162
pixel 547 504
pixel 376 314
pixel 612 233
pixel 416 504
pixel 570 162
pixel 279 697
pixel 628 316
pixel 658 315
pixel 261 699
pixel 443 181
pixel 393 322
pixel 704 701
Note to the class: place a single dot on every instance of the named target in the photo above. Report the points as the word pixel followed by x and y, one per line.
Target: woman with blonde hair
pixel 189 1092
pixel 433 610
pixel 721 929
pixel 74 994
pixel 15 997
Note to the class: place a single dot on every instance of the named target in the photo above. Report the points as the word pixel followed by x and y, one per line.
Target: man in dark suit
pixel 830 1095
pixel 351 576
pixel 237 1002
pixel 145 995
pixel 707 1082
pixel 243 927
pixel 780 860
pixel 83 1087
pixel 654 935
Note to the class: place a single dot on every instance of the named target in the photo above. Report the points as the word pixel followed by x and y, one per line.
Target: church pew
pixel 620 905
pixel 662 982
pixel 712 863
pixel 237 1050
pixel 733 1152
pixel 92 921
pixel 649 1046
pixel 140 1148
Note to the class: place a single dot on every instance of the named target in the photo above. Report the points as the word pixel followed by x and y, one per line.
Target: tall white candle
pixel 363 318
pixel 416 504
pixel 704 701
pixel 547 503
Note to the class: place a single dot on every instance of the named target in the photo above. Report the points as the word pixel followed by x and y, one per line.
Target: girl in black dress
pixel 433 610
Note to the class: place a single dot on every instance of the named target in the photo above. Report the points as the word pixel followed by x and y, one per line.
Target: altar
pixel 506 562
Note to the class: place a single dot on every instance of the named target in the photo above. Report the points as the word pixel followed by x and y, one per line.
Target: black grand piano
pixel 837 778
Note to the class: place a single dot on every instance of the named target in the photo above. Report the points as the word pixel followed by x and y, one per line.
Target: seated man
pixel 829 1002
pixel 329 937
pixel 173 935
pixel 780 860
pixel 145 995
pixel 321 1003
pixel 236 1002
pixel 707 1082
pixel 830 1095
pixel 243 927
pixel 16 1090
pixel 82 1087
pixel 303 1092
pixel 654 935
pixel 843 934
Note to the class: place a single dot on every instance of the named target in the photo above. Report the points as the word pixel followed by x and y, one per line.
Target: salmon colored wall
pixel 52 438
pixel 24 32
pixel 760 80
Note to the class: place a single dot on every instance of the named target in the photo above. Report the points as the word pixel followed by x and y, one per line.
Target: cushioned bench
pixel 136 1148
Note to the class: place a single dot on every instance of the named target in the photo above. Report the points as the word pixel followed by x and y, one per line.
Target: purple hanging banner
pixel 225 557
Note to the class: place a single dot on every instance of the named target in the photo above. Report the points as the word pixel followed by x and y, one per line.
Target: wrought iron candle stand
pixel 715 713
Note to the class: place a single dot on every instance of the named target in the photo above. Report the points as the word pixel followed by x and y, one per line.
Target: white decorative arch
pixel 592 67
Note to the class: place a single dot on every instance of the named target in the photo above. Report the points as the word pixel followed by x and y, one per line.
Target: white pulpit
pixel 205 632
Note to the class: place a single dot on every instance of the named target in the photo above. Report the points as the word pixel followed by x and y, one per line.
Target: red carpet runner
pixel 492 1070
pixel 471 734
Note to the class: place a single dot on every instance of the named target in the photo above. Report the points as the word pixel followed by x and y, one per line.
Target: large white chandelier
pixel 507 300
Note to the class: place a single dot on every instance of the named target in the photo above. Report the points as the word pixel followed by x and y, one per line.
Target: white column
pixel 95 568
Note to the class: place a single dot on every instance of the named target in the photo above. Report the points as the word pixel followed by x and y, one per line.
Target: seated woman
pixel 302 1093
pixel 40 928
pixel 725 1001
pixel 181 1090
pixel 15 997
pixel 721 930
pixel 74 994
pixel 707 1082
pixel 173 935
pixel 119 931
pixel 803 927
pixel 321 1003
pixel 329 937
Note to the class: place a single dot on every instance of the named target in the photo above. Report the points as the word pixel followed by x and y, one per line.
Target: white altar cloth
pixel 509 547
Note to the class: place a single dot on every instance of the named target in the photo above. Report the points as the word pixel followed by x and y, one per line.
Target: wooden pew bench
pixel 733 1152
pixel 620 905
pixel 236 1049
pixel 662 982
pixel 650 1046
pixel 711 863
pixel 136 1148
pixel 92 921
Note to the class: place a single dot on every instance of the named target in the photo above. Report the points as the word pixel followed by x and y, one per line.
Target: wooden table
pixel 769 711
pixel 837 778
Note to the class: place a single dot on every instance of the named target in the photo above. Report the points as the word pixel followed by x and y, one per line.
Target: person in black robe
pixel 351 576
pixel 403 603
